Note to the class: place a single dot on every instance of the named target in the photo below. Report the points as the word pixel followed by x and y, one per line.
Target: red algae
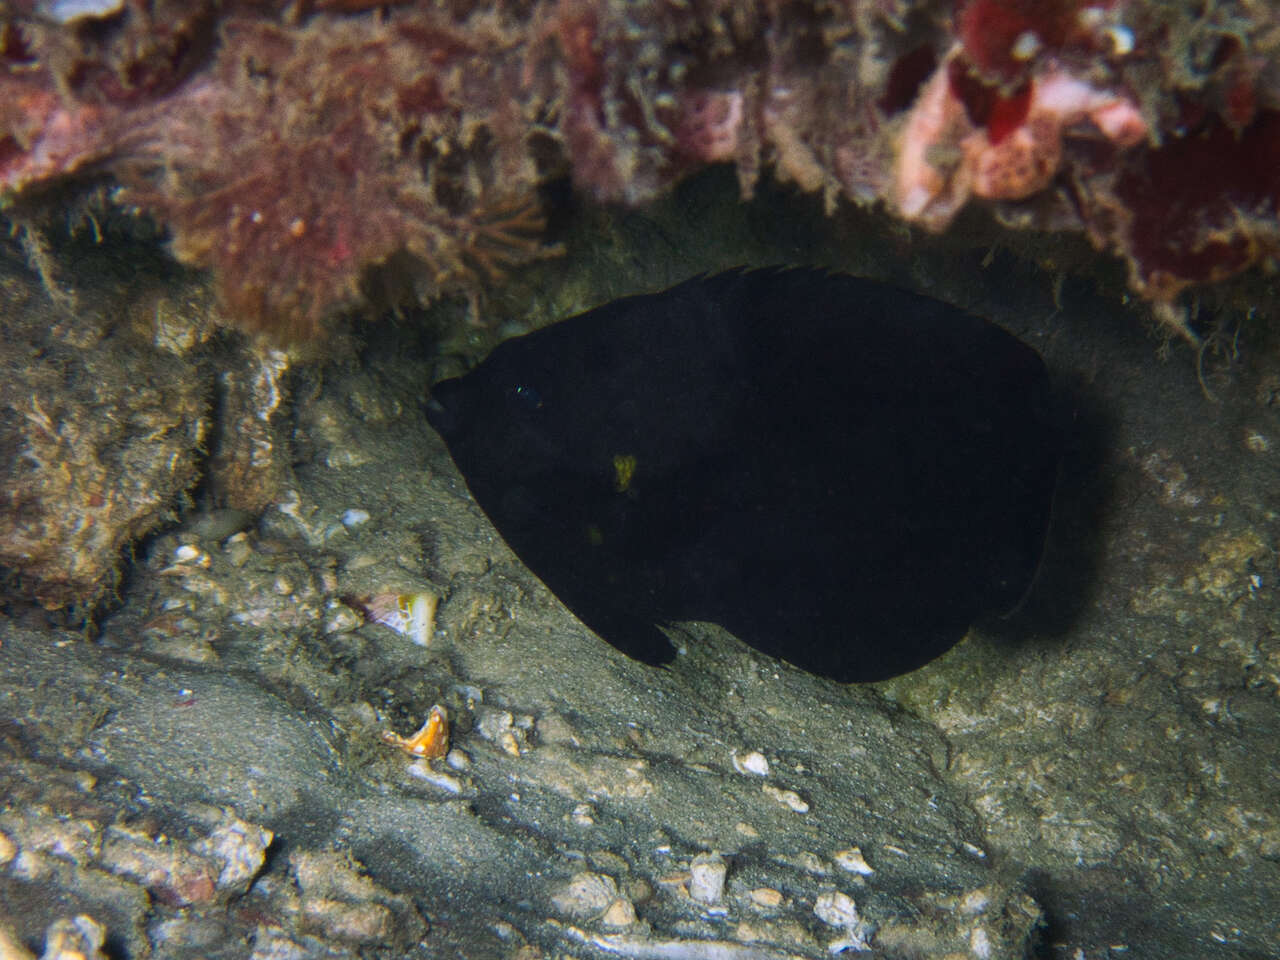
pixel 292 148
pixel 1228 186
pixel 1000 37
pixel 297 157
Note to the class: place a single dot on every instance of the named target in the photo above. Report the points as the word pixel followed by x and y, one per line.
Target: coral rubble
pixel 292 147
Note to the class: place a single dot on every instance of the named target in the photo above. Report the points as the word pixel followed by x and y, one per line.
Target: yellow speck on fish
pixel 624 468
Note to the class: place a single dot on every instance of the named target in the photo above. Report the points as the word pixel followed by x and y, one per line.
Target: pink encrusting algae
pixel 293 147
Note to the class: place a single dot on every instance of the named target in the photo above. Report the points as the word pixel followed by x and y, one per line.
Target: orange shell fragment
pixel 431 741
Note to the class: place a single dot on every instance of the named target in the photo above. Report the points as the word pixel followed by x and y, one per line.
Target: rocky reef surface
pixel 317 154
pixel 221 760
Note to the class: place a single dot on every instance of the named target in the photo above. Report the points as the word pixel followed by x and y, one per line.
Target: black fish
pixel 842 474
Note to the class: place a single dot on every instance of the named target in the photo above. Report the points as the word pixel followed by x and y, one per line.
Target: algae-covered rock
pixel 101 434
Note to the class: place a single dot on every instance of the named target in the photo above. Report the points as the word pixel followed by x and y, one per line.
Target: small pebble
pixel 74 938
pixel 980 943
pixel 788 798
pixel 186 553
pixel 853 861
pixel 754 762
pixel 836 909
pixel 354 517
pixel 975 901
pixel 706 877
pixel 620 914
pixel 422 770
pixel 766 897
pixel 586 894
pixel 339 618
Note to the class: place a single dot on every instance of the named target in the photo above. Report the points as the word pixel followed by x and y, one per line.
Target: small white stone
pixel 766 898
pixel 354 517
pixel 975 901
pixel 706 877
pixel 620 914
pixel 980 943
pixel 187 553
pixel 788 798
pixel 836 909
pixel 412 615
pixel 339 618
pixel 586 895
pixel 853 861
pixel 77 937
pixel 809 862
pixel 422 770
pixel 753 762
pixel 492 724
pixel 239 847
pixel 1256 441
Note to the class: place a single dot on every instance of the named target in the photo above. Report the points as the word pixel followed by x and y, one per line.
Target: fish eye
pixel 526 397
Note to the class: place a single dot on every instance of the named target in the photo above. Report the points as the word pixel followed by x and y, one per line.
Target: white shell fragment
pixel 706 878
pixel 973 850
pixel 754 763
pixel 836 909
pixel 853 861
pixel 354 517
pixel 422 770
pixel 410 614
pixel 187 553
pixel 788 798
